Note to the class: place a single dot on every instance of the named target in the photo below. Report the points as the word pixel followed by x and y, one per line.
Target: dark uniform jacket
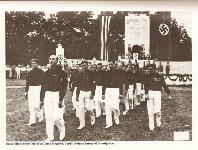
pixel 99 78
pixel 114 79
pixel 139 78
pixel 155 82
pixel 34 78
pixel 55 79
pixel 75 76
pixel 85 83
pixel 129 79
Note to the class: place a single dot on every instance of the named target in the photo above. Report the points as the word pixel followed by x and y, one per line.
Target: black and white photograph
pixel 98 75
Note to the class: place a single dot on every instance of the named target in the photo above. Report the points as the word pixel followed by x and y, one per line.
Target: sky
pixel 183 18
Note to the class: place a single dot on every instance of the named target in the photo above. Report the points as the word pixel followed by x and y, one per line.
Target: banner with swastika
pixel 163 29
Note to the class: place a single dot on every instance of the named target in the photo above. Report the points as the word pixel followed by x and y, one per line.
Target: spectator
pixel 13 72
pixel 160 67
pixel 167 68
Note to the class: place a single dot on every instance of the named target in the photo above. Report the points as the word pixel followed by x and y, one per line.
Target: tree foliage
pixel 33 35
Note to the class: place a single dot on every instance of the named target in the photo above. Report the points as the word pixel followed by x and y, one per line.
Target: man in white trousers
pixel 32 92
pixel 139 81
pixel 75 76
pixel 99 78
pixel 84 93
pixel 53 90
pixel 153 87
pixel 18 72
pixel 112 93
pixel 129 85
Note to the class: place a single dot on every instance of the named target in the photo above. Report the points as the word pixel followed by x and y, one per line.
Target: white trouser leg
pixel 50 127
pixel 130 96
pixel 51 112
pixel 60 123
pixel 48 108
pixel 74 98
pixel 115 105
pixel 158 119
pixel 125 98
pixel 143 93
pixel 103 107
pixel 97 98
pixel 32 118
pixel 77 109
pixel 97 108
pixel 154 107
pixel 108 108
pixel 138 94
pixel 19 75
pixel 92 116
pixel 151 121
pixel 112 104
pixel 116 113
pixel 82 109
pixel 108 116
pixel 89 106
pixel 157 106
pixel 150 109
pixel 126 103
pixel 34 104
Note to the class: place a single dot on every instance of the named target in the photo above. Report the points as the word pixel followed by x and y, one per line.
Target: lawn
pixel 15 82
pixel 176 116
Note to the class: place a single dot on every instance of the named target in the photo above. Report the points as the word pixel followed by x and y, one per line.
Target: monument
pixel 137 32
pixel 60 54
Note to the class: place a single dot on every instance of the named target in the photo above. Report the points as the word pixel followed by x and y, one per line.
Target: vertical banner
pixel 102 40
pixel 105 28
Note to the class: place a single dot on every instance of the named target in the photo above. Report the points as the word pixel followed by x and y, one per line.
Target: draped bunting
pixel 181 77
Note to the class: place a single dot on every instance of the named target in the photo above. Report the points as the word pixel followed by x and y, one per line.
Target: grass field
pixel 176 116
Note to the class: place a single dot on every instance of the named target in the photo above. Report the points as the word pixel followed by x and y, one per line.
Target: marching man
pixel 112 95
pixel 153 88
pixel 84 94
pixel 99 82
pixel 33 89
pixel 139 81
pixel 129 84
pixel 75 76
pixel 53 90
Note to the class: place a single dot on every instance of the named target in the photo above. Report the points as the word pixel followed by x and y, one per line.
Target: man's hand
pixel 26 95
pixel 91 96
pixel 60 105
pixel 169 97
pixel 41 105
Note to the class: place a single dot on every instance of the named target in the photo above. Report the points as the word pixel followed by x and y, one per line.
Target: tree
pixel 181 42
pixel 116 38
pixel 18 25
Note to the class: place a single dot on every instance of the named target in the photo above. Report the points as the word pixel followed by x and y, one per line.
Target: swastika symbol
pixel 163 29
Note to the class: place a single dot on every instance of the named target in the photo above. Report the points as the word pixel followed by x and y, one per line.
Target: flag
pixel 104 36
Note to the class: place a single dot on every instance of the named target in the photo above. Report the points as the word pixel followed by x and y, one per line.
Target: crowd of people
pixel 96 89
pixel 21 71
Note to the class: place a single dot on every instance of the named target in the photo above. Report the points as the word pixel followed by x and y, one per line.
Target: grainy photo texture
pixel 98 76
